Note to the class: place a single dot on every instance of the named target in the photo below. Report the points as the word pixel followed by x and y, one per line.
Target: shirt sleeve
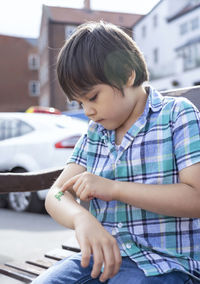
pixel 79 154
pixel 186 134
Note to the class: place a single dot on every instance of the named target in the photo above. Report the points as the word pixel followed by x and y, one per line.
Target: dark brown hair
pixel 99 53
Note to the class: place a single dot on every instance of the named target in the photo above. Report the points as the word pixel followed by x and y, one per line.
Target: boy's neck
pixel 138 109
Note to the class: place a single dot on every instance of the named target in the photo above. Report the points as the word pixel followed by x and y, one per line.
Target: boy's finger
pixel 86 254
pixel 109 264
pixel 68 184
pixel 118 260
pixel 98 262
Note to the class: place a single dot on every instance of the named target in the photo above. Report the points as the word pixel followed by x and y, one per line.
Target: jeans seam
pixel 85 279
pixel 188 281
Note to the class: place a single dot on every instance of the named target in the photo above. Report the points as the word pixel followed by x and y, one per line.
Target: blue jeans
pixel 69 271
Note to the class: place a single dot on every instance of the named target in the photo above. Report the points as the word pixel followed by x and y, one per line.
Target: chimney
pixel 87 4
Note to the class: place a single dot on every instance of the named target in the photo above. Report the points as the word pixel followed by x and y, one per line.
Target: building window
pixel 33 62
pixel 155 21
pixel 183 28
pixel 195 23
pixel 155 55
pixel 69 31
pixel 34 88
pixel 195 2
pixel 144 31
pixel 191 57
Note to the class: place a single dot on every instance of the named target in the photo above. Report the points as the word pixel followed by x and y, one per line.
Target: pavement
pixel 26 235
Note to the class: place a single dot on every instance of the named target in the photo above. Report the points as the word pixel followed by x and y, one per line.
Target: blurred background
pixel 32 33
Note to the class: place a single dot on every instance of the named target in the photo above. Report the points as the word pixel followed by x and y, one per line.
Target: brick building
pixel 19 64
pixel 56 25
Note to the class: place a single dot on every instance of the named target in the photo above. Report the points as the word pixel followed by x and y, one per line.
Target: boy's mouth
pixel 99 121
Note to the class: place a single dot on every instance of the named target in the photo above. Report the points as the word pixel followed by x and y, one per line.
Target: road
pixel 26 235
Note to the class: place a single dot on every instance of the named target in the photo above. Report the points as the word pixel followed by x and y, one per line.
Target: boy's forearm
pixel 179 200
pixel 63 207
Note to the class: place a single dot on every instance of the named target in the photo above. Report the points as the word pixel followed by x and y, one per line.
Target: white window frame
pixel 34 88
pixel 33 61
pixel 194 23
pixel 155 21
pixel 155 55
pixel 183 28
pixel 69 29
pixel 144 31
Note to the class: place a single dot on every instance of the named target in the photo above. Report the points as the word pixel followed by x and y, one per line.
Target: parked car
pixel 32 142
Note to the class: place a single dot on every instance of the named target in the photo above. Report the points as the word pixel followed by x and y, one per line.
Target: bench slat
pixel 16 274
pixel 70 248
pixel 35 270
pixel 72 244
pixel 59 254
pixel 42 262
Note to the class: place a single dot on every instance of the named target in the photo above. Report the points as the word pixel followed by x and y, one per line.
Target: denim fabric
pixel 69 271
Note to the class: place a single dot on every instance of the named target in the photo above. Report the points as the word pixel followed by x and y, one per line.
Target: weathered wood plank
pixel 31 181
pixel 71 244
pixel 59 254
pixel 16 274
pixel 25 267
pixel 42 262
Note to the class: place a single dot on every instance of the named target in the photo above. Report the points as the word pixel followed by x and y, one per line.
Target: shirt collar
pixel 155 99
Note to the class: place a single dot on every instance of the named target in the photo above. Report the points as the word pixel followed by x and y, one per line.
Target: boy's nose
pixel 89 111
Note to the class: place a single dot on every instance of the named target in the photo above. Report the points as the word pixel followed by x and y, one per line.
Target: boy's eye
pixel 93 98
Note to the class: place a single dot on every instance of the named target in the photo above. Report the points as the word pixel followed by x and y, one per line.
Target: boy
pixel 138 164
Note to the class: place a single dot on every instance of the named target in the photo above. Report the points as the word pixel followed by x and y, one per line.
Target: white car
pixel 32 142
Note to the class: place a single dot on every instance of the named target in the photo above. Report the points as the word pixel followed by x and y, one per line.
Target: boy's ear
pixel 131 79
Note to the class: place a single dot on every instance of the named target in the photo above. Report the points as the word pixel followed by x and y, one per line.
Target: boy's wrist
pixel 116 190
pixel 80 217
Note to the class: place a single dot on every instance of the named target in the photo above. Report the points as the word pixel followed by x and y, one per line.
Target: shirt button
pixel 120 225
pixel 114 231
pixel 128 246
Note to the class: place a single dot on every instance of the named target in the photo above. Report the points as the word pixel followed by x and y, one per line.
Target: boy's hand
pixel 95 240
pixel 88 186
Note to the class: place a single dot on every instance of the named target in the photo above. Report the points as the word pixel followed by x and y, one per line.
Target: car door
pixel 10 129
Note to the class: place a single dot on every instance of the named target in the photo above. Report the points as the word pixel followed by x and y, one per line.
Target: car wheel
pixel 3 200
pixel 19 201
pixel 25 201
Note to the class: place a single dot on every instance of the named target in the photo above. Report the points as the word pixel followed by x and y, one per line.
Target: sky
pixel 22 17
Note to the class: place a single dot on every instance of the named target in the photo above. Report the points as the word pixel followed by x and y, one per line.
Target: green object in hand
pixel 58 195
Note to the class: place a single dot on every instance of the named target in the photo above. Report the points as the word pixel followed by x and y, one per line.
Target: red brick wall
pixel 15 74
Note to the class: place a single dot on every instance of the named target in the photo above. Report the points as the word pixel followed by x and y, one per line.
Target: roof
pixel 144 16
pixel 187 9
pixel 31 41
pixel 78 16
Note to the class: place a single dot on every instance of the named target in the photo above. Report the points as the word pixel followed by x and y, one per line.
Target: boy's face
pixel 106 105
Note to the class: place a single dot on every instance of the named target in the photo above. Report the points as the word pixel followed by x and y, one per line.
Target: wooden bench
pixel 29 269
pixel 33 181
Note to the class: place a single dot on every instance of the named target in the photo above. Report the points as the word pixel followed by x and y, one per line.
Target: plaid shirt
pixel 163 141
